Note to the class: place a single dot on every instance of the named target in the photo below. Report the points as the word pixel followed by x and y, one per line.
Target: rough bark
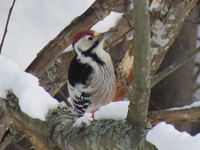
pixel 138 108
pixel 177 89
pixel 166 24
pixel 176 115
pixel 21 123
pixel 56 76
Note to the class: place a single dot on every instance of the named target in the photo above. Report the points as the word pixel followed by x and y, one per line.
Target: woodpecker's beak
pixel 105 35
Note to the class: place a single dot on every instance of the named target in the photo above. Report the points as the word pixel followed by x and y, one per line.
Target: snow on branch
pixel 35 102
pixel 33 99
pixel 166 137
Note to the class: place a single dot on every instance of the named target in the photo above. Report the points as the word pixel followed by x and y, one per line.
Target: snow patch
pixel 169 25
pixel 171 17
pixel 68 49
pixel 166 48
pixel 194 104
pixel 166 137
pixel 154 5
pixel 154 51
pixel 33 99
pixel 130 38
pixel 171 35
pixel 109 22
pixel 114 110
pixel 158 28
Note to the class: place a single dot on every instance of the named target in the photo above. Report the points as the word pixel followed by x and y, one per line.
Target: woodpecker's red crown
pixel 82 33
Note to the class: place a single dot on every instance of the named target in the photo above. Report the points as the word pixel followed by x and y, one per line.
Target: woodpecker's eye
pixel 90 38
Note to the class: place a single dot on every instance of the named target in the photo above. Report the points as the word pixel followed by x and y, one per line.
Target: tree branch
pixel 166 24
pixel 176 115
pixel 158 77
pixel 101 134
pixel 138 108
pixel 165 28
pixel 6 27
pixel 32 128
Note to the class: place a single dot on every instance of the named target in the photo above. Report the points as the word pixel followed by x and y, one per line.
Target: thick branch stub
pixel 104 134
pixel 176 115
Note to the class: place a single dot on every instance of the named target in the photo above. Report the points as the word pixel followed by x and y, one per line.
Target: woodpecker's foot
pixel 85 120
pixel 92 112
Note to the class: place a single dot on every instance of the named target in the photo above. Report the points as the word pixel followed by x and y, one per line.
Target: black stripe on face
pixel 94 56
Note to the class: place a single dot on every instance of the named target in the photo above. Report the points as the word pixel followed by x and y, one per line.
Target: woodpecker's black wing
pixel 78 75
pixel 78 72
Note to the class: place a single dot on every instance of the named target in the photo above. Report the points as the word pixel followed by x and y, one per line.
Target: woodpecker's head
pixel 88 40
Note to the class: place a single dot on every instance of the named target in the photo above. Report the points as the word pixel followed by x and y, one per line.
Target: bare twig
pixel 157 78
pixel 6 27
pixel 176 115
pixel 198 70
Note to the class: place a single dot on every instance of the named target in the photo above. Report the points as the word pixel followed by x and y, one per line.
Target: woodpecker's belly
pixel 103 89
pixel 98 90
